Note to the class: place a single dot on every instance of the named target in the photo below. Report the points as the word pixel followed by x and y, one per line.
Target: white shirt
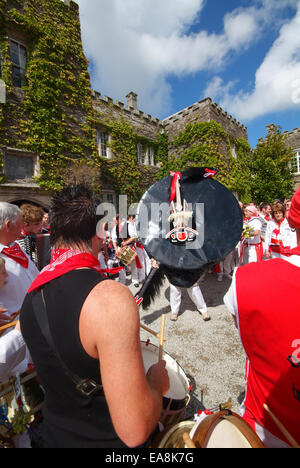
pixel 255 225
pixel 131 229
pixel 14 355
pixel 286 235
pixel 19 280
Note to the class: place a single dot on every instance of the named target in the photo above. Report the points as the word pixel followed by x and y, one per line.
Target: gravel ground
pixel 210 353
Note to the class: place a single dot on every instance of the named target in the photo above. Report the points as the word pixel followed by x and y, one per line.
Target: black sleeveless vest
pixel 70 419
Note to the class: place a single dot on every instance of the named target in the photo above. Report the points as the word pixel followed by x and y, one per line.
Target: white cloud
pixel 137 44
pixel 276 80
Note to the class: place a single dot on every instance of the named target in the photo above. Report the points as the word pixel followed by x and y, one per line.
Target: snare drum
pixel 177 398
pixel 224 429
pixel 126 255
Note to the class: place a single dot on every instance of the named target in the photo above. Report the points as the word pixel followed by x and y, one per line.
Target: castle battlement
pixel 128 109
pixel 292 132
pixel 189 111
pixel 203 111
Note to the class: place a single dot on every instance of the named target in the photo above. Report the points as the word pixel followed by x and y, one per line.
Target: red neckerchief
pixel 267 218
pixel 65 260
pixel 279 223
pixel 16 253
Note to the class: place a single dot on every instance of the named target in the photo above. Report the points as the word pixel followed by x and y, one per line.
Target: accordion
pixel 38 248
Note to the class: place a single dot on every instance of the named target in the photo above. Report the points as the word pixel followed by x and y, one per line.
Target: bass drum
pixel 224 429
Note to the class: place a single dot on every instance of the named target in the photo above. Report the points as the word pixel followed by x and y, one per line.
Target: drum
pixel 177 398
pixel 126 255
pixel 224 429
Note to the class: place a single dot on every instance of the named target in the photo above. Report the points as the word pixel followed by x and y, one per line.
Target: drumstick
pixel 8 325
pixel 161 337
pixel 282 428
pixel 150 331
pixel 188 441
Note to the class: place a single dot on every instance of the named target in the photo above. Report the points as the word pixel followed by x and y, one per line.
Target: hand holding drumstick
pixel 158 374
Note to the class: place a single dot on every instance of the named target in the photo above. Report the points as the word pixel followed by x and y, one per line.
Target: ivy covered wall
pixel 52 113
pixel 207 144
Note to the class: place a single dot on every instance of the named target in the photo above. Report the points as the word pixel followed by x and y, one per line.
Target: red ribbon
pixel 209 173
pixel 176 177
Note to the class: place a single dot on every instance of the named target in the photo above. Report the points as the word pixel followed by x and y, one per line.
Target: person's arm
pixel 230 299
pixel 12 352
pixel 110 329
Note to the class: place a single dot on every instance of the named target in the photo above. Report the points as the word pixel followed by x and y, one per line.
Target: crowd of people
pixel 83 404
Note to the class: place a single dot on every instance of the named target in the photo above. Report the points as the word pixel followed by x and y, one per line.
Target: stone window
pixel 20 165
pixel 151 155
pixel 110 198
pixel 18 55
pixel 107 197
pixel 141 154
pixel 295 163
pixel 102 140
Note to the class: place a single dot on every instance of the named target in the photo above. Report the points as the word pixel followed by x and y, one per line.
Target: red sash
pixel 272 378
pixel 16 253
pixel 259 251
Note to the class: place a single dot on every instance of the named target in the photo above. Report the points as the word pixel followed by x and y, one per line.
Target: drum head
pixel 224 430
pixel 217 219
pixel 179 383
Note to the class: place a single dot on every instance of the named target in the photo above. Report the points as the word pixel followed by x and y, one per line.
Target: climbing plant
pixel 207 144
pixel 54 118
pixel 129 178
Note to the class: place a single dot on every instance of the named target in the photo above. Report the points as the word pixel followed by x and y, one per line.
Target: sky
pixel 244 55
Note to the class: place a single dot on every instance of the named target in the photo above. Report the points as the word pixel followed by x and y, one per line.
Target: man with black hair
pixel 94 340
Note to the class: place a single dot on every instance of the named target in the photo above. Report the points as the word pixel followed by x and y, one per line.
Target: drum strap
pixel 87 387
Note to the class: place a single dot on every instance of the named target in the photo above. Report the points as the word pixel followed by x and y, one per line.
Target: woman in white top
pixel 279 235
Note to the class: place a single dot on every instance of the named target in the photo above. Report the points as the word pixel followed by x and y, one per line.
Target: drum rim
pixel 207 423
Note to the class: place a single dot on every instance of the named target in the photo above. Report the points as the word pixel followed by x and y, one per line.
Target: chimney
pixel 132 100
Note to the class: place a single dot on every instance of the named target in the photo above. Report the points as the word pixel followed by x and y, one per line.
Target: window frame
pixel 19 66
pixel 102 138
pixel 296 162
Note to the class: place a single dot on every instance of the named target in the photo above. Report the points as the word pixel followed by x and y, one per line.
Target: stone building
pixel 45 98
pixel 27 142
pixel 293 140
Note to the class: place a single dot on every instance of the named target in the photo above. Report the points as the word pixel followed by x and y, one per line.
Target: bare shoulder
pixel 110 306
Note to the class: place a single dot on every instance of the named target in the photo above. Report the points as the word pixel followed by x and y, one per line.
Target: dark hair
pixel 278 206
pixel 264 205
pixel 72 215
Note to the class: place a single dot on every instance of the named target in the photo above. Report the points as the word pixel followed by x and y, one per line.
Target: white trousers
pixel 250 254
pixel 227 265
pixel 195 294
